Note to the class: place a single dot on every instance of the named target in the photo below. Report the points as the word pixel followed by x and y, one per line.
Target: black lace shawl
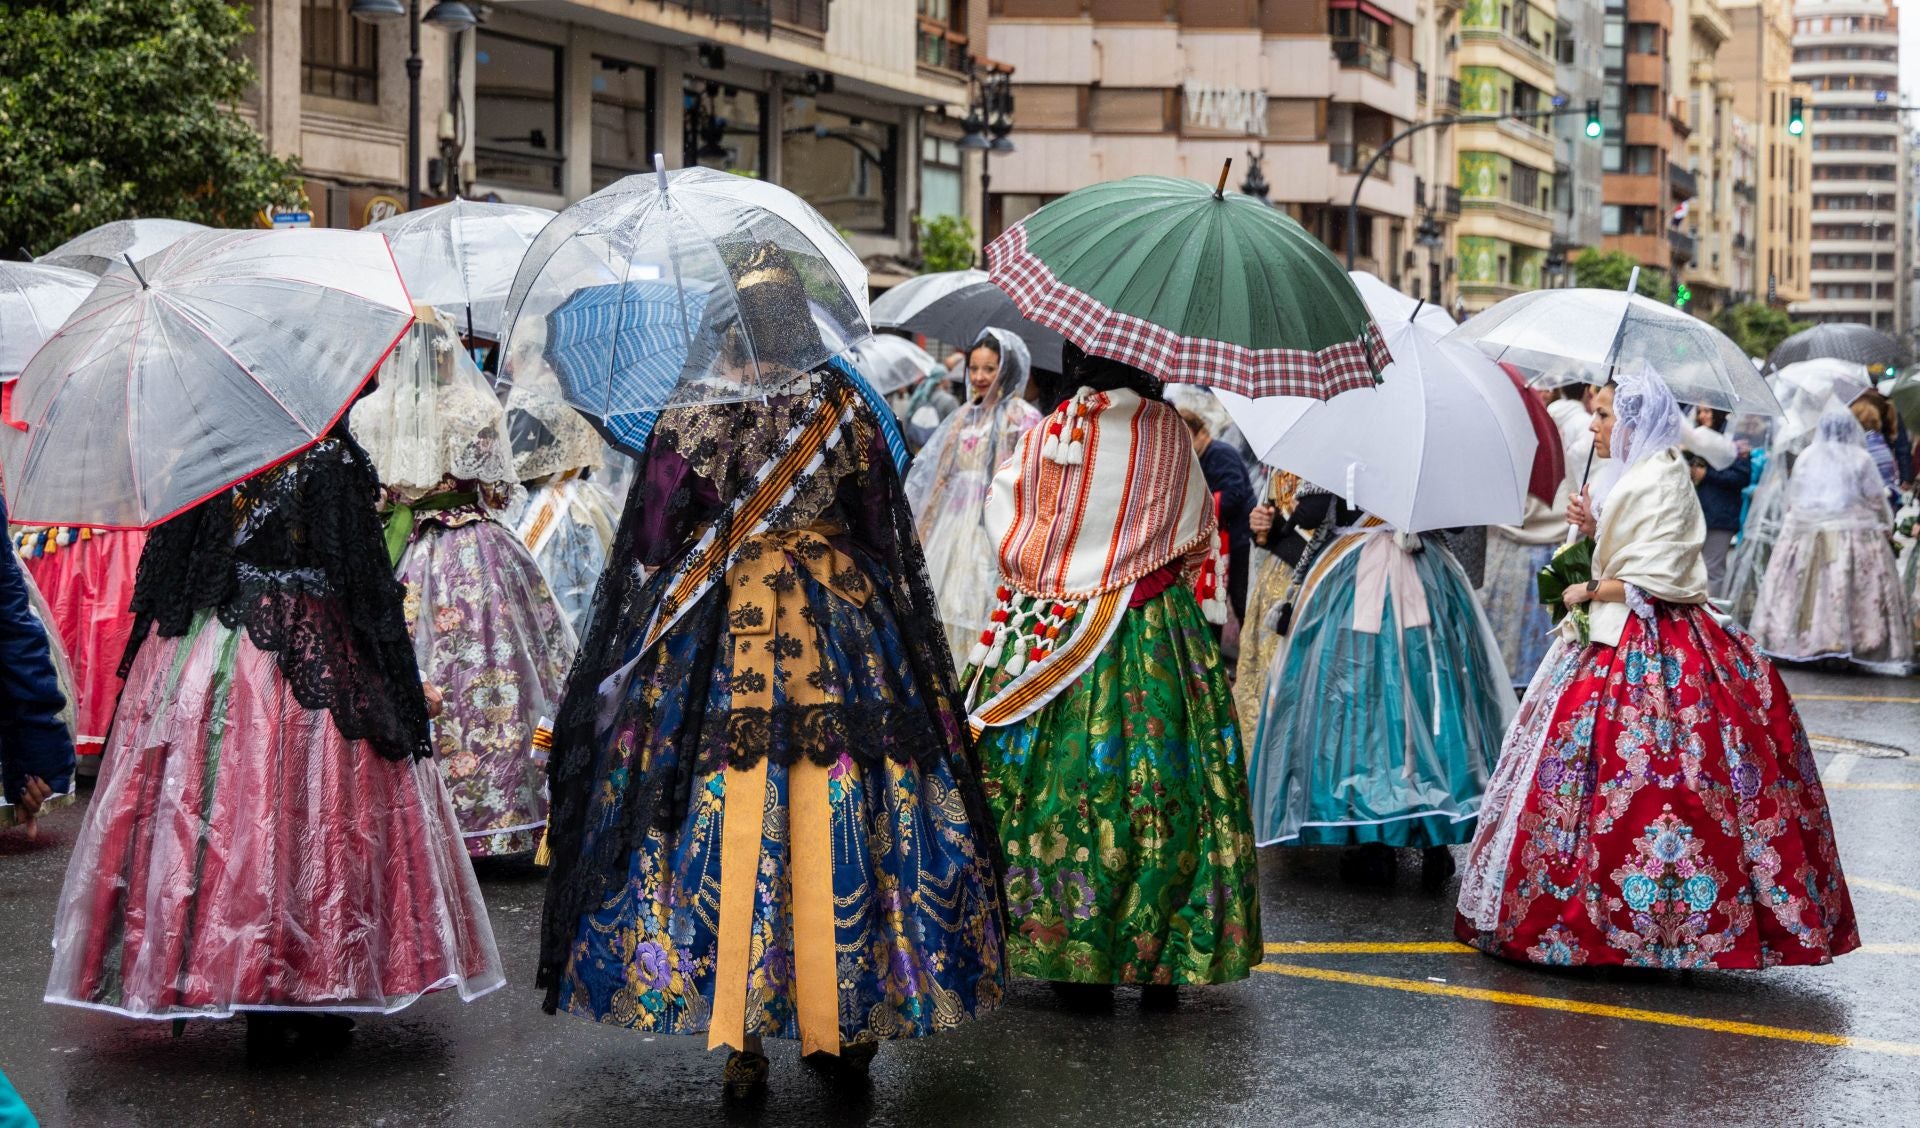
pixel 868 498
pixel 296 556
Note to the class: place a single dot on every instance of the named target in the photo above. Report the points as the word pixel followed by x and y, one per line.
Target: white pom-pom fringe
pixel 979 655
pixel 1018 664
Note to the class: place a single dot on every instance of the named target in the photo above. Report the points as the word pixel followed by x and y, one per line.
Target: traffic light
pixel 1594 128
pixel 1796 116
pixel 1681 295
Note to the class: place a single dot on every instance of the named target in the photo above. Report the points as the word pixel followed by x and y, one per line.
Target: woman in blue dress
pixel 1386 701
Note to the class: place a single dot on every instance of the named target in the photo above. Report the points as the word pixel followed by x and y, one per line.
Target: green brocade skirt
pixel 1123 808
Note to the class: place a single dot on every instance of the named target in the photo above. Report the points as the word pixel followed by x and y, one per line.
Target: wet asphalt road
pixel 1399 1045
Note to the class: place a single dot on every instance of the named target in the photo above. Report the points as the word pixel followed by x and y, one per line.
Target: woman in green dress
pixel 1106 726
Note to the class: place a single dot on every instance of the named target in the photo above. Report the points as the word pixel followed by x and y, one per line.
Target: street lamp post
pixel 451 16
pixel 989 121
pixel 1366 170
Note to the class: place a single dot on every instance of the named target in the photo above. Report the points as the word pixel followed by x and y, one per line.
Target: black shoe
pixel 745 1077
pixel 850 1066
pixel 320 1033
pixel 1372 863
pixel 1084 998
pixel 1160 997
pixel 266 1035
pixel 1436 866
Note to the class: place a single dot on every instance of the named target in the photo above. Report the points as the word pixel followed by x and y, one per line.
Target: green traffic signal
pixel 1681 296
pixel 1594 128
pixel 1796 116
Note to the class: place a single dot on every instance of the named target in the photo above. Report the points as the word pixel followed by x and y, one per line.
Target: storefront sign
pixel 381 207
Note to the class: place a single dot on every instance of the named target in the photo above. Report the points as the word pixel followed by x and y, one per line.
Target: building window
pixel 1610 219
pixel 1359 40
pixel 843 165
pixel 1642 160
pixel 1643 99
pixel 725 127
pixel 940 183
pixel 339 55
pixel 942 37
pixel 516 112
pixel 622 120
pixel 1643 39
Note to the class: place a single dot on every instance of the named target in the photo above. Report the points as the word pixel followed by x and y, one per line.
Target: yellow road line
pixel 1453 948
pixel 1879 886
pixel 1368 948
pixel 1596 1010
pixel 1855 697
pixel 1850 785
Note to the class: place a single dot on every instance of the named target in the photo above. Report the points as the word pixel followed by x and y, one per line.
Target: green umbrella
pixel 1905 395
pixel 1193 285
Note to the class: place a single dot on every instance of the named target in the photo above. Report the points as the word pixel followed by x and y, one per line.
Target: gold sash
pixel 765 607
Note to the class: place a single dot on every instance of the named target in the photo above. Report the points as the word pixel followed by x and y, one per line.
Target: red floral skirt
pixel 1657 805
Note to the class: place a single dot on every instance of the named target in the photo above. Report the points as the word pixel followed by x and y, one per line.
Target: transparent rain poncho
pixel 947 489
pixel 434 420
pixel 647 293
pixel 1832 587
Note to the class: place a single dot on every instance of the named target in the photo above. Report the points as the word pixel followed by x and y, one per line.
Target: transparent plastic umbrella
pixel 223 355
pixel 891 363
pixel 108 245
pixel 1441 441
pixel 956 306
pixel 1584 336
pixel 734 285
pixel 1804 388
pixel 34 300
pixel 1387 304
pixel 461 257
pixel 1862 344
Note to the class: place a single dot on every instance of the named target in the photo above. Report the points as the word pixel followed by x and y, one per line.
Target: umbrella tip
pixel 1220 189
pixel 660 169
pixel 136 271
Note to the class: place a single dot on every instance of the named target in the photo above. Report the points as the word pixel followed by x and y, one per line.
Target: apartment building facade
pixel 1507 64
pixel 1756 62
pixel 1848 53
pixel 857 106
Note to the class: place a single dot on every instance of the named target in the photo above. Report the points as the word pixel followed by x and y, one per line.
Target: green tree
pixel 946 243
pixel 1609 270
pixel 112 109
pixel 1758 329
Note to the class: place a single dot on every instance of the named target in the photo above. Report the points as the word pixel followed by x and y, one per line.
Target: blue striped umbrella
pixel 622 347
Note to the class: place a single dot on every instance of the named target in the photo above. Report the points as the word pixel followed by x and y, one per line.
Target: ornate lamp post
pixel 989 121
pixel 450 16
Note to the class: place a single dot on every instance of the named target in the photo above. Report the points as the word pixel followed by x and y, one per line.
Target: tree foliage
pixel 112 109
pixel 1758 329
pixel 1609 270
pixel 946 243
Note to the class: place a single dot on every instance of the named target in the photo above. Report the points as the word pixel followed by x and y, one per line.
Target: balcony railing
pixel 1452 97
pixel 938 46
pixel 1681 243
pixel 1353 158
pixel 1420 81
pixel 1685 186
pixel 1452 198
pixel 761 15
pixel 1359 54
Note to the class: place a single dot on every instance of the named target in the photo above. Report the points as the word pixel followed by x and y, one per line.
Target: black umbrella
pixel 1861 344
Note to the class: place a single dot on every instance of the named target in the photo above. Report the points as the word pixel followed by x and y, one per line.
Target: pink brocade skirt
pixel 240 854
pixel 89 587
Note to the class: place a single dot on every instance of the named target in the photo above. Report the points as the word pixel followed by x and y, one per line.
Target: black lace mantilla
pixel 295 556
pixel 863 495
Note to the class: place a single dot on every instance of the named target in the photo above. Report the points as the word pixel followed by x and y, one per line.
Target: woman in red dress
pixel 1656 803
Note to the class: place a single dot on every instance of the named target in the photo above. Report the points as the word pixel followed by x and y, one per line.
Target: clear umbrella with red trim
pixel 197 368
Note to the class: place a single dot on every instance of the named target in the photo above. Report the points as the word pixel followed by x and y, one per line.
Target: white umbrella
pixel 891 363
pixel 1388 305
pixel 217 358
pixel 460 257
pixel 1441 441
pixel 34 300
pixel 956 306
pixel 1584 336
pixel 111 244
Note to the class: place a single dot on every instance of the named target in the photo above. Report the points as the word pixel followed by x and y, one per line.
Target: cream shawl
pixel 1651 533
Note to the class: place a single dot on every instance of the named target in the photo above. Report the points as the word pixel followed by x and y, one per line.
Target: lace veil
pixel 434 417
pixel 1647 421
